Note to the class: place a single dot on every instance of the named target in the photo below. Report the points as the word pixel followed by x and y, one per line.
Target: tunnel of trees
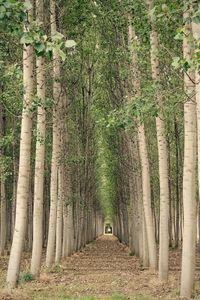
pixel 99 123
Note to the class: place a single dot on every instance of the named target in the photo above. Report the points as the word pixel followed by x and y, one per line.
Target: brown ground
pixel 104 269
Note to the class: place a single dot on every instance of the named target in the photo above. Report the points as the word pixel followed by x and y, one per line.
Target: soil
pixel 103 268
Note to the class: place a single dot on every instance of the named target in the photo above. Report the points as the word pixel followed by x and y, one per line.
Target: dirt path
pixel 105 267
pixel 105 270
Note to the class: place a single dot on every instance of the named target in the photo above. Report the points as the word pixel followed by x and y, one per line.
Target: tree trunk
pixel 177 225
pixel 4 215
pixel 67 248
pixel 196 34
pixel 145 254
pixel 146 188
pixel 50 258
pixel 162 157
pixel 39 160
pixel 59 222
pixel 15 175
pixel 189 173
pixel 24 170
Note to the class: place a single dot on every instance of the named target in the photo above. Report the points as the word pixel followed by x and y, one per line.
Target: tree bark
pixel 59 222
pixel 4 215
pixel 24 169
pixel 39 159
pixel 50 255
pixel 189 172
pixel 146 188
pixel 162 157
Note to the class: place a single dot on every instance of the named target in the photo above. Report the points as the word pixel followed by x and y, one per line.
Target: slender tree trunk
pixel 24 170
pixel 131 220
pixel 189 172
pixel 3 233
pixel 199 226
pixel 59 222
pixel 46 208
pixel 3 216
pixel 146 188
pixel 15 175
pixel 70 231
pixel 29 237
pixel 170 197
pixel 145 254
pixel 196 34
pixel 39 160
pixel 67 217
pixel 50 256
pixel 162 157
pixel 177 225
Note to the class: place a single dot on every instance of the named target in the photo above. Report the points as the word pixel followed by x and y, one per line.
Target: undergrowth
pixel 25 277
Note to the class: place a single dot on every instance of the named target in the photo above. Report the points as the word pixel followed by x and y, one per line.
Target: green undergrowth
pixel 145 298
pixel 24 277
pixel 63 296
pixel 55 269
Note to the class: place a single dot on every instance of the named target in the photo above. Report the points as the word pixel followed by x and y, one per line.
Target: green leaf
pixel 176 62
pixel 57 36
pixel 8 14
pixel 186 66
pixel 49 54
pixel 196 19
pixel 152 13
pixel 178 37
pixel 70 43
pixel 2 11
pixel 27 5
pixel 26 39
pixel 165 8
pixel 179 30
pixel 39 47
pixel 61 54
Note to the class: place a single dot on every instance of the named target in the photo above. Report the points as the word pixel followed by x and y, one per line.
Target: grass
pixel 145 298
pixel 25 277
pixel 118 297
pixel 61 295
pixel 55 269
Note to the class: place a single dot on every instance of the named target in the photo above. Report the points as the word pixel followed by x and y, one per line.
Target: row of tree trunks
pixel 67 224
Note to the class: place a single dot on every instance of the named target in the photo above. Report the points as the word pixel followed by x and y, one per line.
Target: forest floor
pixel 104 269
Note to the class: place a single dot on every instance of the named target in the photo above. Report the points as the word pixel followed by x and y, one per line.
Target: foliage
pixel 145 298
pixel 25 277
pixel 55 269
pixel 194 62
pixel 101 105
pixel 12 15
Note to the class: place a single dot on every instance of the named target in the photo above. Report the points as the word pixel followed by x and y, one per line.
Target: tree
pixel 24 166
pixel 39 158
pixel 162 155
pixel 2 178
pixel 189 169
pixel 196 35
pixel 146 189
pixel 55 145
